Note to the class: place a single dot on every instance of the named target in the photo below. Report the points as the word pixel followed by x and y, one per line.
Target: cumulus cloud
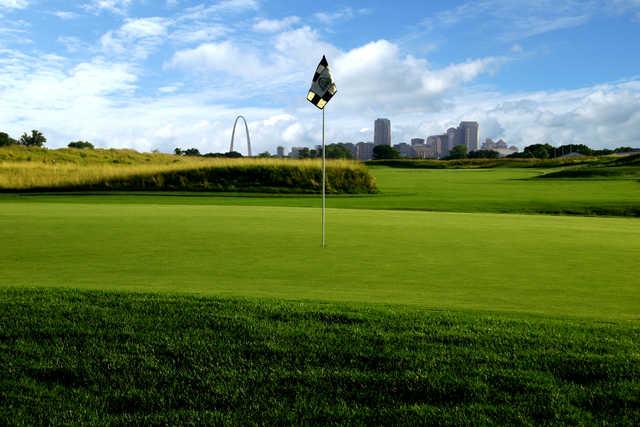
pixel 225 57
pixel 212 74
pixel 99 101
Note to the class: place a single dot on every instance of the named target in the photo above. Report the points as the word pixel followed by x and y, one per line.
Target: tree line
pixel 339 151
pixel 37 139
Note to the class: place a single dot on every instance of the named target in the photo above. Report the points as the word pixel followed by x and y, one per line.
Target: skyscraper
pixel 467 134
pixel 451 141
pixel 280 150
pixel 382 132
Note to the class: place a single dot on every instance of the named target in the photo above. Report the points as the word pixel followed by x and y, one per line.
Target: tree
pixel 539 151
pixel 178 152
pixel 623 150
pixel 484 154
pixel 81 145
pixel 233 155
pixel 304 153
pixel 337 151
pixel 264 154
pixel 36 139
pixel 191 152
pixel 5 140
pixel 572 148
pixel 458 152
pixel 382 152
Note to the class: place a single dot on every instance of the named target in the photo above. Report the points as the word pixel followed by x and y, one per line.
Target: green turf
pixel 554 265
pixel 453 190
pixel 71 358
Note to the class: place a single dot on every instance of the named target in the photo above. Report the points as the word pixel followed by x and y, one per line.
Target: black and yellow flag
pixel 322 87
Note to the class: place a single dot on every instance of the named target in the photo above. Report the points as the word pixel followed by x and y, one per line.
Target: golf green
pixel 552 265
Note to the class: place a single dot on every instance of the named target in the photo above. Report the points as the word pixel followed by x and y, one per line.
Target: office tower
pixel 467 134
pixel 364 151
pixel 417 141
pixel 280 151
pixel 405 149
pixel 382 132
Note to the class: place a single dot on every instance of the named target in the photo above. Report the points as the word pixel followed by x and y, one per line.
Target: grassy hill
pixel 27 169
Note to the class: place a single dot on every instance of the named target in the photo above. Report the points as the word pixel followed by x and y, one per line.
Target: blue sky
pixel 161 74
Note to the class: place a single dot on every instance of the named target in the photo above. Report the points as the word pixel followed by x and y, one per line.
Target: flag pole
pixel 324 179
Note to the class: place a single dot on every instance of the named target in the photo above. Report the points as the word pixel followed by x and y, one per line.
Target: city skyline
pixel 151 75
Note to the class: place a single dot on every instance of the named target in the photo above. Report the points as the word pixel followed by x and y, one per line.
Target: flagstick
pixel 324 179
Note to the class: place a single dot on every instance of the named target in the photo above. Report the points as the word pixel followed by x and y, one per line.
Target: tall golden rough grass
pixel 103 169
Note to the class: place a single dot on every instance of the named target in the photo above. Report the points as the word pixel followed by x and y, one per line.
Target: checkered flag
pixel 322 87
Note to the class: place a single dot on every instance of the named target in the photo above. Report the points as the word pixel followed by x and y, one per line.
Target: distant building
pixel 364 151
pixel 405 149
pixel 468 134
pixel 382 132
pixel 295 152
pixel 417 141
pixel 351 147
pixel 500 146
pixel 439 145
pixel 425 151
pixel 451 140
pixel 280 151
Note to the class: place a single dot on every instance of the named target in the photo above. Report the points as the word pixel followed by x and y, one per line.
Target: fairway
pixel 503 190
pixel 553 265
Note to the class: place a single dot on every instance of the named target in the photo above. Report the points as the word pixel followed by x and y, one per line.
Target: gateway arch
pixel 233 134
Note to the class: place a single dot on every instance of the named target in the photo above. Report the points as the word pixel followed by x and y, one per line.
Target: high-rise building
pixel 382 132
pixel 280 151
pixel 364 151
pixel 417 141
pixel 451 137
pixel 467 134
pixel 405 149
pixel 439 145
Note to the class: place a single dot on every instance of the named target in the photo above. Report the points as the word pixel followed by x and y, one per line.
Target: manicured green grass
pixel 474 316
pixel 454 190
pixel 70 358
pixel 498 262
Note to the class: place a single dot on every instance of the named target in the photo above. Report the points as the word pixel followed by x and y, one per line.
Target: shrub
pixel 81 145
pixel 382 152
pixel 5 140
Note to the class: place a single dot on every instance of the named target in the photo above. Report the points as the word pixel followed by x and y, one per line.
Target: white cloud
pixel 204 12
pixel 223 57
pixel 519 20
pixel 99 99
pixel 13 4
pixel 344 14
pixel 114 6
pixel 198 33
pixel 73 44
pixel 136 37
pixel 275 25
pixel 64 14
